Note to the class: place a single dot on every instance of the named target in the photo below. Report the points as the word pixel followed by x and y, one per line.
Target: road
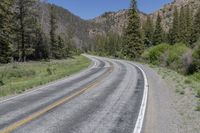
pixel 105 98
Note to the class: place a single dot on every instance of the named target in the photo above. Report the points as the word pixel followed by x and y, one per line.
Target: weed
pixel 1 82
pixel 177 90
pixel 49 71
pixel 198 108
pixel 182 92
pixel 187 81
pixel 198 93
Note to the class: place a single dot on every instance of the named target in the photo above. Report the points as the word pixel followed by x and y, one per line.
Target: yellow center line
pixel 35 115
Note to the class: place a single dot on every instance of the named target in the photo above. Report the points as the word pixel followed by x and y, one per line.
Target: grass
pixel 19 77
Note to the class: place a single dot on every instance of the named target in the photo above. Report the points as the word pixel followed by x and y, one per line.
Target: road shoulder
pixel 168 111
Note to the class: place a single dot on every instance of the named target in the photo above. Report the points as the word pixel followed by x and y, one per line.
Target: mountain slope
pixel 83 32
pixel 117 20
pixel 70 26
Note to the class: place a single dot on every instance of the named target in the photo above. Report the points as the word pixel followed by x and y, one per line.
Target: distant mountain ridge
pixel 83 32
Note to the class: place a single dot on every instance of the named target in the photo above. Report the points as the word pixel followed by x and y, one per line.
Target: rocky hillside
pixel 167 10
pixel 70 26
pixel 83 32
pixel 117 20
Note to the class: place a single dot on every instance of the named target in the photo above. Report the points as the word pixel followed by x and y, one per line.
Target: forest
pixel 177 48
pixel 22 37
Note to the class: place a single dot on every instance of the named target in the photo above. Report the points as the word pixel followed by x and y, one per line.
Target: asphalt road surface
pixel 105 98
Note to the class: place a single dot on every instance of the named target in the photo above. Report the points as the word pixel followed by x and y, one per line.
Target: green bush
pixel 175 58
pixel 196 56
pixel 1 82
pixel 154 54
pixel 171 56
pixel 198 108
pixel 196 76
pixel 49 71
pixel 198 93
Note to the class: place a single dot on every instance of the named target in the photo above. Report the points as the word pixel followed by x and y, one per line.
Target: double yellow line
pixel 41 112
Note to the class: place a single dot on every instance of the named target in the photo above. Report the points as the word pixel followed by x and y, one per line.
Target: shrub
pixel 196 56
pixel 198 108
pixel 196 76
pixel 198 93
pixel 177 57
pixel 49 71
pixel 187 81
pixel 154 54
pixel 1 82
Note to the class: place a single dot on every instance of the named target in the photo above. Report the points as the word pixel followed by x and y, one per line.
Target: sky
pixel 88 9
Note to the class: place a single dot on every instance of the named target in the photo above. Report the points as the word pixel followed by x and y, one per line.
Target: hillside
pixel 71 26
pixel 167 10
pixel 83 32
pixel 117 20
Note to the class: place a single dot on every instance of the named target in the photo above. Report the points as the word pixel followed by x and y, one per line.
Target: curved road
pixel 105 98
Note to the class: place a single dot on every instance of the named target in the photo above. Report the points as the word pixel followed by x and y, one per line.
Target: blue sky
pixel 88 9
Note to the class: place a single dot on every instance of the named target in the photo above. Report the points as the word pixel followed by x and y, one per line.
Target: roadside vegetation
pixel 176 48
pixel 16 77
pixel 177 62
pixel 30 56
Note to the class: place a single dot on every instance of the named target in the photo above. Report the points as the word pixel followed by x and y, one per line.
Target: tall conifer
pixel 133 43
pixel 158 33
pixel 148 32
pixel 196 27
pixel 5 30
pixel 174 31
pixel 53 38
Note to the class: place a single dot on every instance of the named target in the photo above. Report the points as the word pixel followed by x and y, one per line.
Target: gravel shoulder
pixel 171 105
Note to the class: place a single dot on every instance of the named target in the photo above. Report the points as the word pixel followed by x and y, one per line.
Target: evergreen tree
pixel 148 32
pixel 41 46
pixel 196 28
pixel 174 31
pixel 61 48
pixel 183 25
pixel 188 20
pixel 25 24
pixel 133 44
pixel 158 33
pixel 53 27
pixel 5 30
pixel 68 49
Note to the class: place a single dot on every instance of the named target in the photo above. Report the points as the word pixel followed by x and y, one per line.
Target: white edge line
pixel 47 85
pixel 140 119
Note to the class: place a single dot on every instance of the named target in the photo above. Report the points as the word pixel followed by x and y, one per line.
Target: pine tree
pixel 5 30
pixel 188 20
pixel 25 23
pixel 53 27
pixel 61 48
pixel 174 31
pixel 133 44
pixel 41 47
pixel 196 28
pixel 158 33
pixel 148 32
pixel 183 25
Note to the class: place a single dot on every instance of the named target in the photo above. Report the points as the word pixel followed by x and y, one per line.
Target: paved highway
pixel 105 98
